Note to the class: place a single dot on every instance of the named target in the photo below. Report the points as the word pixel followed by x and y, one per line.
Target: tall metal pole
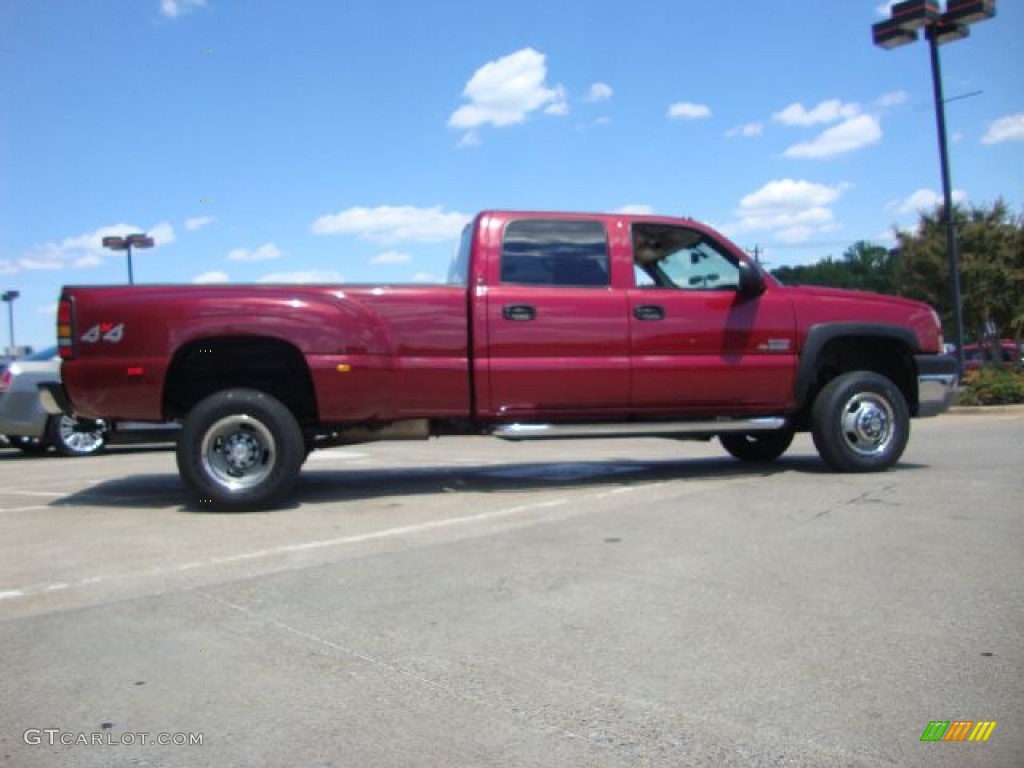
pixel 10 319
pixel 947 205
pixel 131 279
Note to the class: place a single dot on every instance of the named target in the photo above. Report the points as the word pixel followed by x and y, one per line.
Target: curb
pixel 981 409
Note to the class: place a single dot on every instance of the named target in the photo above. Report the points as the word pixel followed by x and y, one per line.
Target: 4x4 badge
pixel 104 332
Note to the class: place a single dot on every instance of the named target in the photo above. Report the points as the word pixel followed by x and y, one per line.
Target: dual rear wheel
pixel 240 449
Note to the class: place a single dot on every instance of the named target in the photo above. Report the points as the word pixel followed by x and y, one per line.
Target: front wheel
pixel 757 447
pixel 72 437
pixel 860 422
pixel 240 449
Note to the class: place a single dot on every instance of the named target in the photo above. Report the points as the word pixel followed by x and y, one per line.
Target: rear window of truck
pixel 568 253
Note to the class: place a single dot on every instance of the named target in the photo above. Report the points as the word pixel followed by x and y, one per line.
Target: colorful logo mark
pixel 958 730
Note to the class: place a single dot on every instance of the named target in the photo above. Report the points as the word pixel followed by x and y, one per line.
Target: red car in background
pixel 977 355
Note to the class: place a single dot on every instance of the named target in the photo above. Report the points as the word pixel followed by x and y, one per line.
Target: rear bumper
pixel 54 399
pixel 937 381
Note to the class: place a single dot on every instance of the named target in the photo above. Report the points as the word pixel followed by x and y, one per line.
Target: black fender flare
pixel 821 334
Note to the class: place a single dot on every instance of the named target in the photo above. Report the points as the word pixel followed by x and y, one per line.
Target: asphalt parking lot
pixel 468 602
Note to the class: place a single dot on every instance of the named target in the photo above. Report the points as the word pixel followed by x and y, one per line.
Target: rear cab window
pixel 555 252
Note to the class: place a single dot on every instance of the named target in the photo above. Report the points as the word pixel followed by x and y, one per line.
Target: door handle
pixel 649 312
pixel 519 312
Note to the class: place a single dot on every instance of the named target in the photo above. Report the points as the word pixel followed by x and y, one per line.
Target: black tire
pixel 71 437
pixel 239 449
pixel 860 422
pixel 34 446
pixel 757 447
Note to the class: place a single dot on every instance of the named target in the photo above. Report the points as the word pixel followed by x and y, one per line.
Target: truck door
pixel 697 340
pixel 557 332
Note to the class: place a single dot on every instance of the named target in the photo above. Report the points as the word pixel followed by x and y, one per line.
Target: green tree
pixel 863 267
pixel 991 243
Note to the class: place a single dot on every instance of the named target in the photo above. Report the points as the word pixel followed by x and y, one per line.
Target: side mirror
pixel 751 280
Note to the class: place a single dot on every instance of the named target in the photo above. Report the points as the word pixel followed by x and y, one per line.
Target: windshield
pixel 44 354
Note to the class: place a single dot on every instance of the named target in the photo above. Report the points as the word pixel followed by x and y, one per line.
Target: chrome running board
pixel 638 428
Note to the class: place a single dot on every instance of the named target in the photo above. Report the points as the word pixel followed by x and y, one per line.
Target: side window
pixel 680 258
pixel 555 252
pixel 458 270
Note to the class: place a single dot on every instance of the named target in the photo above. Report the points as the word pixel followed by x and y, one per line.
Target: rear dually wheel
pixel 240 449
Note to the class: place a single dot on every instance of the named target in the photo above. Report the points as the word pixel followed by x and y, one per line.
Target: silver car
pixel 24 422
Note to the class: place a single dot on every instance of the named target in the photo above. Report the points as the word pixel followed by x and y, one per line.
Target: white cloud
pixel 391 257
pixel 826 112
pixel 162 233
pixel 789 194
pixel 885 9
pixel 798 234
pixel 793 210
pixel 88 261
pixel 207 278
pixel 923 200
pixel 265 252
pixel 1009 128
pixel 560 106
pixel 82 251
pixel 306 276
pixel 599 92
pixel 391 224
pixel 505 91
pixel 172 9
pixel 47 309
pixel 198 222
pixel 855 133
pixel 426 277
pixel 893 99
pixel 747 131
pixel 685 110
pixel 637 210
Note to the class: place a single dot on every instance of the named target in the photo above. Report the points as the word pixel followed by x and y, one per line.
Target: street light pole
pixel 9 297
pixel 952 248
pixel 939 27
pixel 125 244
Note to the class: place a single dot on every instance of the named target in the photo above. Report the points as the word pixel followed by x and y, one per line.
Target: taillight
pixel 65 328
pixel 5 381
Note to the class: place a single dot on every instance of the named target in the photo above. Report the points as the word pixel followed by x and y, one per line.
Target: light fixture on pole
pixel 939 28
pixel 125 243
pixel 8 298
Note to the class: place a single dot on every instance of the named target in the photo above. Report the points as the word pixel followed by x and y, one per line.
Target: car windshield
pixel 44 354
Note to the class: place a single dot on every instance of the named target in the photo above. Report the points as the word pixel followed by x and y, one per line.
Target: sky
pixel 334 140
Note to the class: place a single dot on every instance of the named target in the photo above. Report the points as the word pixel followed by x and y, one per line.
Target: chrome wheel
pixel 238 452
pixel 860 422
pixel 867 424
pixel 72 437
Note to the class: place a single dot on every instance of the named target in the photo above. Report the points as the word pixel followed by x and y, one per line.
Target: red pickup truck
pixel 550 325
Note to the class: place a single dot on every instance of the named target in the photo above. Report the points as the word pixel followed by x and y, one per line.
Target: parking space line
pixel 25 509
pixel 288 548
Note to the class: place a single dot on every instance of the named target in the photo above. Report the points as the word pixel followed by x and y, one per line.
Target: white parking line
pixel 24 509
pixel 305 546
pixel 332 455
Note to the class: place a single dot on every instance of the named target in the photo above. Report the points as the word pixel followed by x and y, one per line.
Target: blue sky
pixel 340 140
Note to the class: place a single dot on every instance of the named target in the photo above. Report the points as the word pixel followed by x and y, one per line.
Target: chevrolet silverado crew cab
pixel 551 325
